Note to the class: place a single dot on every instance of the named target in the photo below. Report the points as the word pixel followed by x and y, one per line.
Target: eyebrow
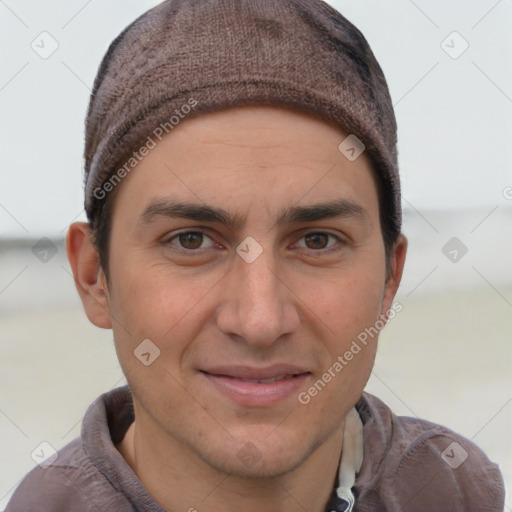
pixel 192 211
pixel 333 209
pixel 293 215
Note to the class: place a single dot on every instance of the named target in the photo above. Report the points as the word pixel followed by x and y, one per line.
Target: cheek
pixel 158 303
pixel 350 308
pixel 345 303
pixel 353 313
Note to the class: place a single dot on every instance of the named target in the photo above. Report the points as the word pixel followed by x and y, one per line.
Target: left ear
pixel 89 277
pixel 397 263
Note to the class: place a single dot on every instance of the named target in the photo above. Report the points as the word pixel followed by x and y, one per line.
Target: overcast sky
pixel 453 100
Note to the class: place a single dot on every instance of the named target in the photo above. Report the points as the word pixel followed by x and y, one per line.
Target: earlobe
pixel 395 275
pixel 89 278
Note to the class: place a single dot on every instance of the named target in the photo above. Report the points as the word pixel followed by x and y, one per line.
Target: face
pixel 248 249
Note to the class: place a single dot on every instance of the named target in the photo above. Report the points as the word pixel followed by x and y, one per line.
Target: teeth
pixel 268 381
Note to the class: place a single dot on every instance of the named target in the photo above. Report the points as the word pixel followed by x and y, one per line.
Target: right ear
pixel 90 280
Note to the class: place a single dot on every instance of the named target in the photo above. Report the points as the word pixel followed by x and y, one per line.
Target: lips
pixel 266 381
pixel 248 373
pixel 251 386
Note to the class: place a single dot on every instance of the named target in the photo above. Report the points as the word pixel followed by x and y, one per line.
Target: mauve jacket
pixel 409 465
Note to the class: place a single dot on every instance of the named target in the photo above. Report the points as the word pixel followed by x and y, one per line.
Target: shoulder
pixel 87 474
pixel 52 486
pixel 426 466
pixel 70 483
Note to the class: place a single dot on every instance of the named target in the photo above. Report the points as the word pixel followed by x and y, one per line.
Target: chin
pixel 260 457
pixel 262 466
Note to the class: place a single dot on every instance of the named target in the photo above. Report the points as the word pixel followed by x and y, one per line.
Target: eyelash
pixel 339 242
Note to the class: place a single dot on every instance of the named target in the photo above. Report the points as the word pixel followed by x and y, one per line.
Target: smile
pixel 264 381
pixel 250 387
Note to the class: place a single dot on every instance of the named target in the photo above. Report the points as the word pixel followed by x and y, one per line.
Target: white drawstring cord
pixel 351 457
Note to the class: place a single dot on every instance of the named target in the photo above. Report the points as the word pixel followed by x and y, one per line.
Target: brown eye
pixel 319 241
pixel 192 245
pixel 316 240
pixel 191 240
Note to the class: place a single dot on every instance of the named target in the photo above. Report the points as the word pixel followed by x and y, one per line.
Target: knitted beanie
pixel 184 57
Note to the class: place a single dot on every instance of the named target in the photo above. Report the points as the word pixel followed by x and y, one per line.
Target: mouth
pixel 262 381
pixel 256 387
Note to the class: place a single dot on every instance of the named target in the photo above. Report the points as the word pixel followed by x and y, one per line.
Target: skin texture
pixel 302 302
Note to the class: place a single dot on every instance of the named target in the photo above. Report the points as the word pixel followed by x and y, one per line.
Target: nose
pixel 257 305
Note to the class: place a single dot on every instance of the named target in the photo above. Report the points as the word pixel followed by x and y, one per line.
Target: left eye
pixel 191 240
pixel 317 241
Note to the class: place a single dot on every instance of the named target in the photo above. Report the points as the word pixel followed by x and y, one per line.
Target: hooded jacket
pixel 409 465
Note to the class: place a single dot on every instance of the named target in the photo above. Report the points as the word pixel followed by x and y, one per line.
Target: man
pixel 244 245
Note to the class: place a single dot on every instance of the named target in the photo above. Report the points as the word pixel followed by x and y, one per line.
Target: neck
pixel 179 480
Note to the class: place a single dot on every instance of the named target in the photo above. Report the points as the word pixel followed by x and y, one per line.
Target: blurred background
pixel 445 357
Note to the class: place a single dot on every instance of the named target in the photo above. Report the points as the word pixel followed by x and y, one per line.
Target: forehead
pixel 259 153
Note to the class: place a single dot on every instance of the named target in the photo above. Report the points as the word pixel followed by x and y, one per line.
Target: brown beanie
pixel 185 57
